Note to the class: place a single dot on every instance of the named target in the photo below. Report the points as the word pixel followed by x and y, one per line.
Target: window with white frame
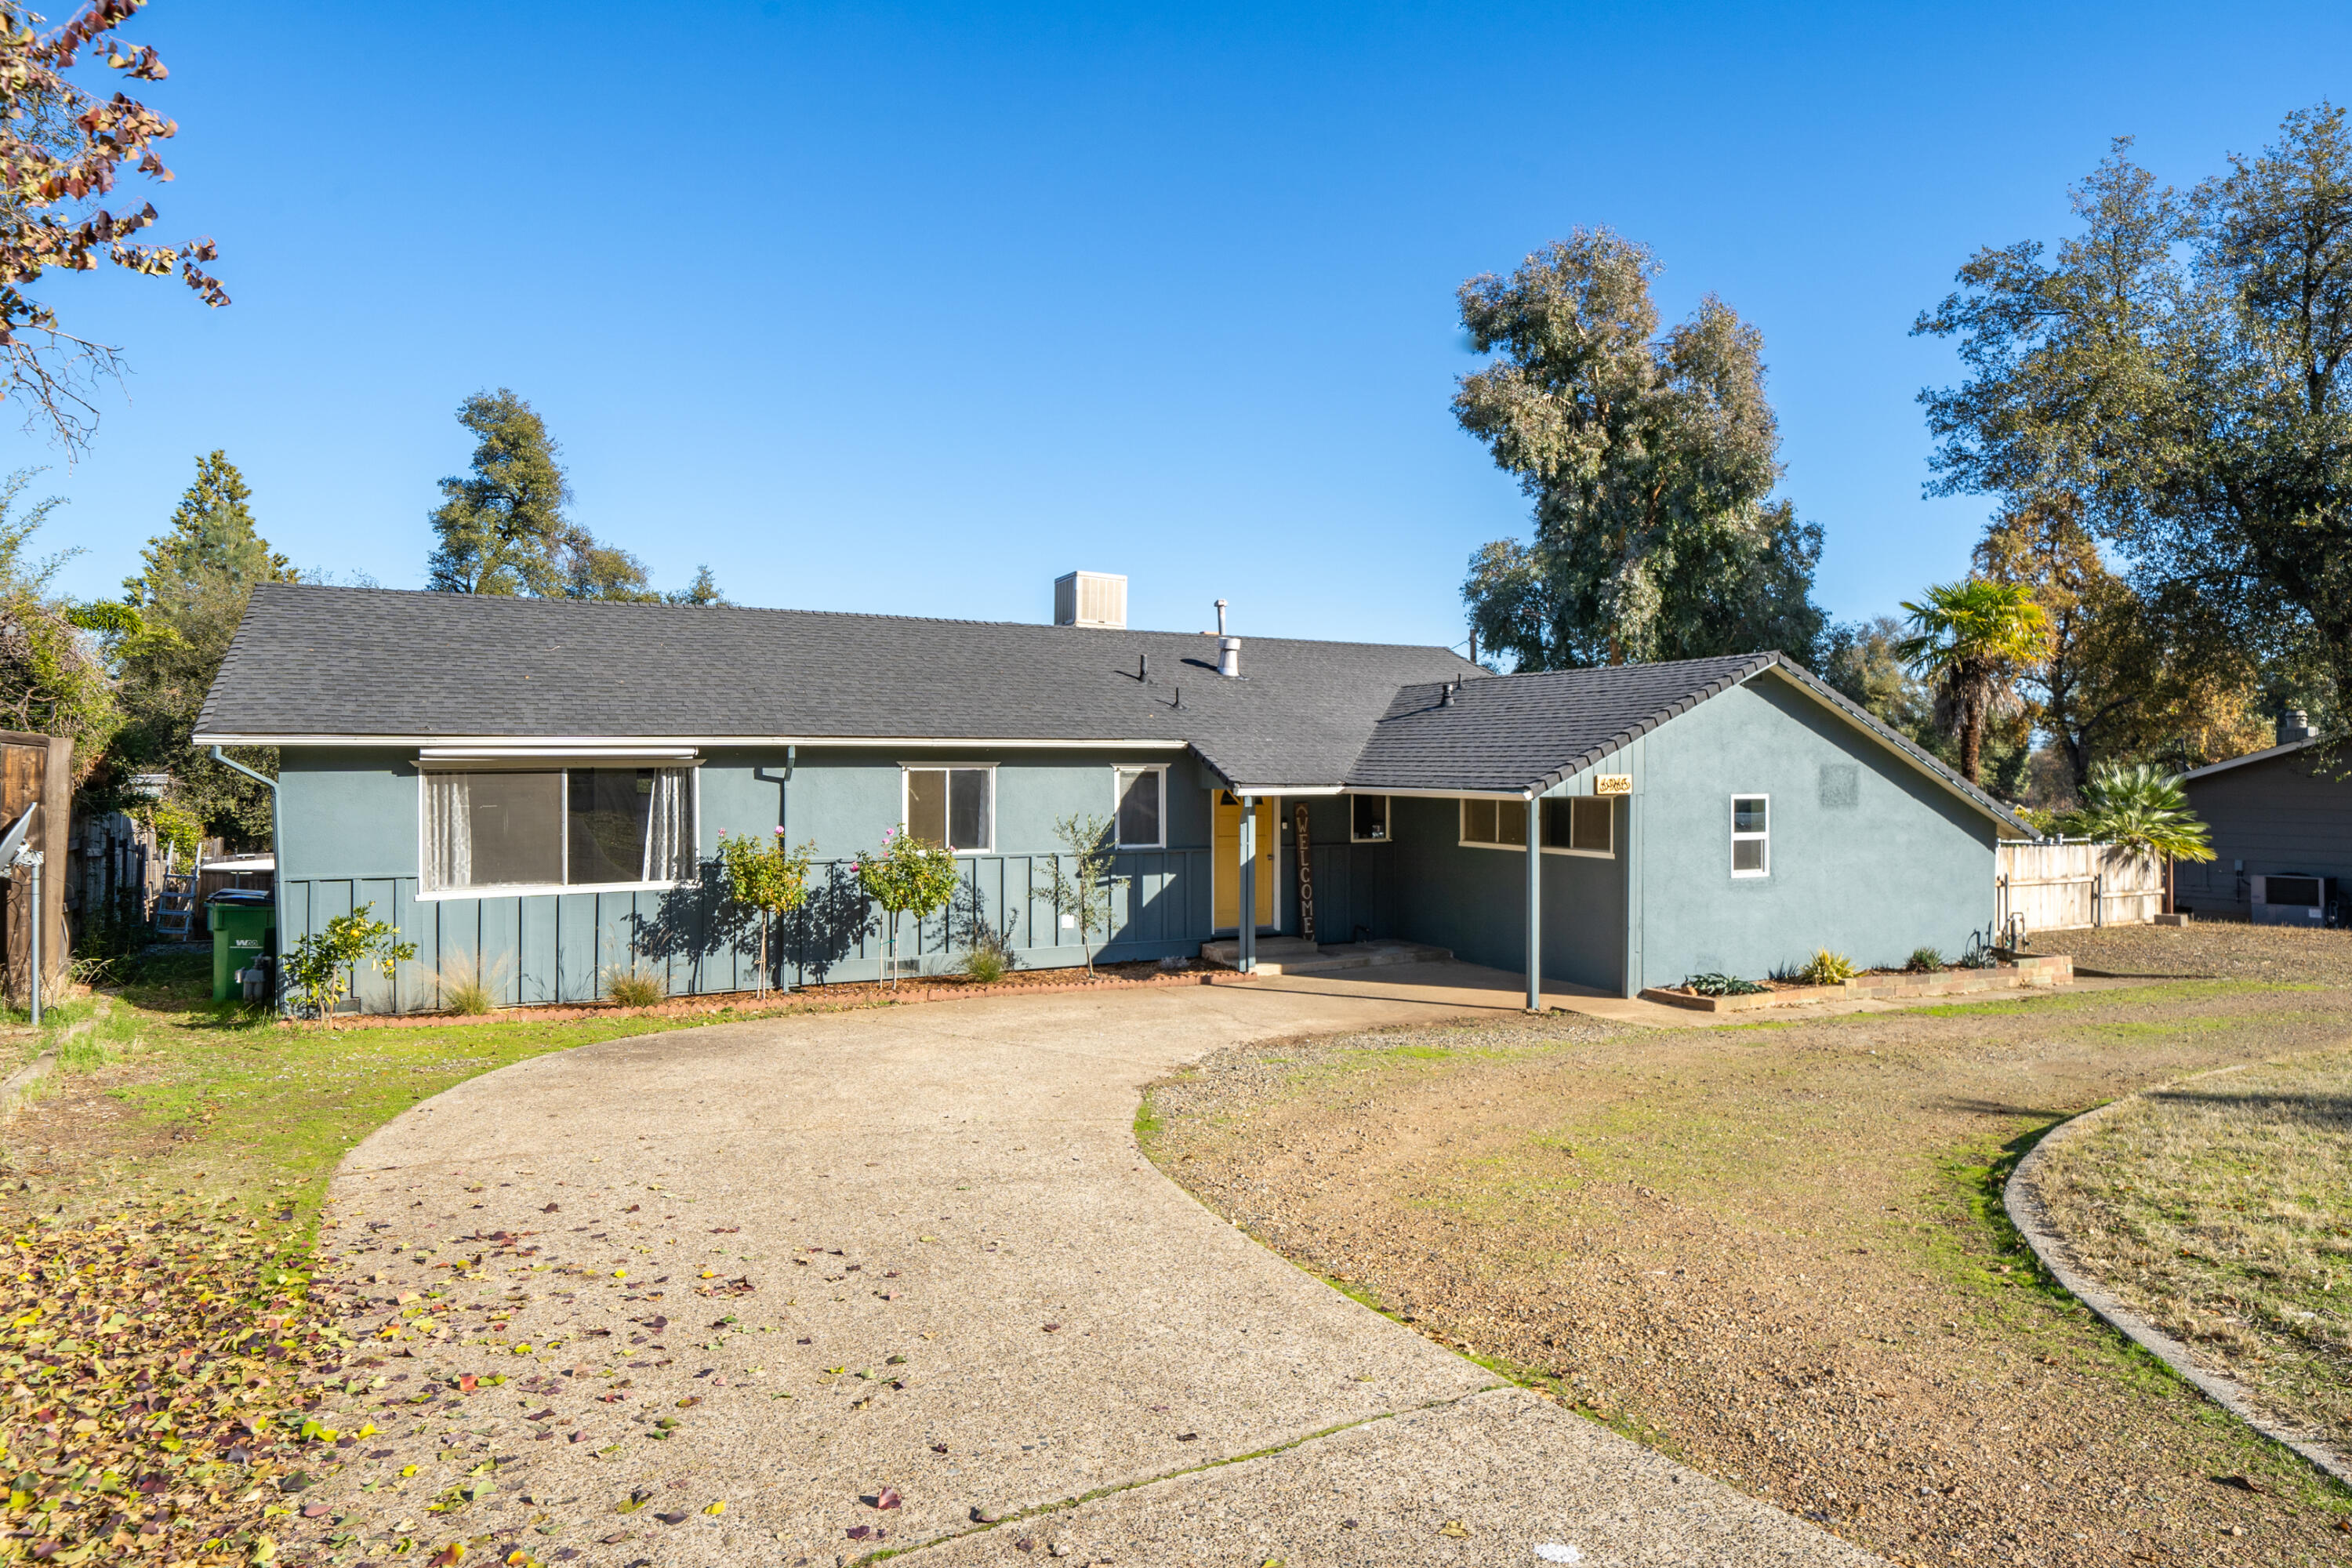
pixel 1579 824
pixel 953 806
pixel 488 831
pixel 1368 818
pixel 1495 824
pixel 1142 802
pixel 1751 835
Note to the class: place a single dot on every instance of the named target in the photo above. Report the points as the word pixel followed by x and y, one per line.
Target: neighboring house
pixel 540 784
pixel 2281 813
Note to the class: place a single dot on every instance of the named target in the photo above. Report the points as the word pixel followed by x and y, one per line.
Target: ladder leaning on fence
pixel 2060 884
pixel 175 906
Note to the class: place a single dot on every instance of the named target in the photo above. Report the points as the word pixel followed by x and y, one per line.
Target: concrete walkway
pixel 916 1249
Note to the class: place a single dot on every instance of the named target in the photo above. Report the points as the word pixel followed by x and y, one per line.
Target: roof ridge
pixel 594 607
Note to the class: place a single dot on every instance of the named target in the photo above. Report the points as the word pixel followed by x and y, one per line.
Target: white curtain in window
pixel 448 831
pixel 667 848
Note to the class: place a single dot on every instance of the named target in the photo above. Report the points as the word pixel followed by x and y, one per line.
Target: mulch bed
pixel 731 1006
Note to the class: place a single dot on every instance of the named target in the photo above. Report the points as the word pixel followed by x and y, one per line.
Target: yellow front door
pixel 1226 858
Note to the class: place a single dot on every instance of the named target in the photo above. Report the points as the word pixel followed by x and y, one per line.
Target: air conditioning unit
pixel 1090 599
pixel 2293 899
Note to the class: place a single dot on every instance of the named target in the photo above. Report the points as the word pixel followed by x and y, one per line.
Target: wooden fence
pixel 2063 885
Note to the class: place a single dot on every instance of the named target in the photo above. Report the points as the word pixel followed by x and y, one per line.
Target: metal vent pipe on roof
pixel 1229 654
pixel 1221 618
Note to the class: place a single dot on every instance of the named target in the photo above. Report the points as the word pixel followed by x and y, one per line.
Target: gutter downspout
pixel 277 865
pixel 1535 901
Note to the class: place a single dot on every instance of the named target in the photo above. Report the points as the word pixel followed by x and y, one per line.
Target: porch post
pixel 1534 903
pixel 1246 917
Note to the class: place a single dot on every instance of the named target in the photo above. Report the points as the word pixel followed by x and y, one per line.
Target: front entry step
pixel 1295 955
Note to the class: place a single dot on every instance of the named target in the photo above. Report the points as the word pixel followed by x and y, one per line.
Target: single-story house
pixel 2281 820
pixel 539 786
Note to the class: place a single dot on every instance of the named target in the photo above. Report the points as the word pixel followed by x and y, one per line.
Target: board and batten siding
pixel 350 837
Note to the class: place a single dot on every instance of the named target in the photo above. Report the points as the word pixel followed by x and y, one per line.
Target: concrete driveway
pixel 912 1256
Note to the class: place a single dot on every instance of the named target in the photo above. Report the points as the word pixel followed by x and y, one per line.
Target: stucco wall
pixel 1872 863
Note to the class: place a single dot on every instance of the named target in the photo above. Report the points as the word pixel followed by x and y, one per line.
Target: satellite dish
pixel 14 842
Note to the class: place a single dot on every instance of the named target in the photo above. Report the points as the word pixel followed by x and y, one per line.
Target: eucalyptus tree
pixel 1649 457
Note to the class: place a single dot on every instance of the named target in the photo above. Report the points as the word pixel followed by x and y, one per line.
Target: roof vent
pixel 2294 725
pixel 1090 599
pixel 1229 657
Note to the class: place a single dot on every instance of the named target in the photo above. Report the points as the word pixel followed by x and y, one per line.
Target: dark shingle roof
pixel 351 662
pixel 1505 733
pixel 1516 732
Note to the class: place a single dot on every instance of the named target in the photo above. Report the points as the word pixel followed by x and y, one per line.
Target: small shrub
pixel 1924 961
pixel 635 986
pixel 1828 968
pixel 986 964
pixel 1723 985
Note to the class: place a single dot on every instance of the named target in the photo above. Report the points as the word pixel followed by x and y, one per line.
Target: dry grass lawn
pixel 1776 1252
pixel 2220 1210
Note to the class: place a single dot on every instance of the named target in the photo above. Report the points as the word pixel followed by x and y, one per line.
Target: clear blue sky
pixel 911 309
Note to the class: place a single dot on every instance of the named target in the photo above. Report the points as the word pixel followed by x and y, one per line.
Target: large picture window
pixel 570 827
pixel 1495 824
pixel 1142 806
pixel 953 806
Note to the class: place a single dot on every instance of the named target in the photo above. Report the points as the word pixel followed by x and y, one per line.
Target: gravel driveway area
pixel 801 1291
pixel 1776 1252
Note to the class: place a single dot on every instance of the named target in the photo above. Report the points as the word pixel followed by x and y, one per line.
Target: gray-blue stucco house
pixel 539 786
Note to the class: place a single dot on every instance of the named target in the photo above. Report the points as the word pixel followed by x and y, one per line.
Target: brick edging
pixel 2021 1196
pixel 813 999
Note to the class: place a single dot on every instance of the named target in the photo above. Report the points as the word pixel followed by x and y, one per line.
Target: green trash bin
pixel 244 924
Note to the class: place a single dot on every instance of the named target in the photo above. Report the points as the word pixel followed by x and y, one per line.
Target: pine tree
pixel 211 528
pixel 187 602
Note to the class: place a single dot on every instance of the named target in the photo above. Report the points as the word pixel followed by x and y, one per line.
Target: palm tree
pixel 1967 643
pixel 2143 809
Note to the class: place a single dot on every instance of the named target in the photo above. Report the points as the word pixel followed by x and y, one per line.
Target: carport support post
pixel 1534 903
pixel 1246 917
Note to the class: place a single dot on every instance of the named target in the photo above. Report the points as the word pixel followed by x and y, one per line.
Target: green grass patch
pixel 2167 992
pixel 2219 1208
pixel 261 1113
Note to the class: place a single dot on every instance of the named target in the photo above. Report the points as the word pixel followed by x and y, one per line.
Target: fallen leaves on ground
pixel 155 1408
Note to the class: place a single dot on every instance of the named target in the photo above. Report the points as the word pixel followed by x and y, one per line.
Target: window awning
pixel 459 757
